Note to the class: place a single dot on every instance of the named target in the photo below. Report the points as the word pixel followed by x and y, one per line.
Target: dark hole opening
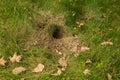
pixel 57 34
pixel 56 31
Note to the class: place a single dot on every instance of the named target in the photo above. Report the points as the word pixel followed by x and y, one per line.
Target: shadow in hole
pixel 56 31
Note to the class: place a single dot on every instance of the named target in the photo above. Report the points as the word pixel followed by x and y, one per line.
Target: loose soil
pixel 51 33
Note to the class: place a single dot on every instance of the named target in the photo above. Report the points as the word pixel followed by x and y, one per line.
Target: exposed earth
pixel 50 33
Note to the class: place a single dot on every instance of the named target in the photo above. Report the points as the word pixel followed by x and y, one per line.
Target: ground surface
pixel 25 23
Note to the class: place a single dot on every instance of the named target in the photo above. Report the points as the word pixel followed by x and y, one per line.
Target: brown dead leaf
pixel 84 48
pixel 109 76
pixel 110 29
pixel 88 62
pixel 39 68
pixel 80 25
pixel 58 73
pixel 15 58
pixel 22 79
pixel 107 43
pixel 73 14
pixel 86 72
pixel 103 16
pixel 74 28
pixel 62 62
pixel 2 61
pixel 18 70
pixel 59 0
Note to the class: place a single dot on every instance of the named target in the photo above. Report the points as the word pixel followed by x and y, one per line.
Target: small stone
pixel 60 53
pixel 63 69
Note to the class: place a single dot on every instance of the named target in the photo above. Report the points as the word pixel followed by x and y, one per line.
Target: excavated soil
pixel 51 33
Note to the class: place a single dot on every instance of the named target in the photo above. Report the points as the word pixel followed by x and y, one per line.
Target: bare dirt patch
pixel 51 33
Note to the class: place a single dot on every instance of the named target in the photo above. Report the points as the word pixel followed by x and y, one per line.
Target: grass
pixel 16 26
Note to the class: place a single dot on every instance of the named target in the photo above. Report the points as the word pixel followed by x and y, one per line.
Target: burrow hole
pixel 56 31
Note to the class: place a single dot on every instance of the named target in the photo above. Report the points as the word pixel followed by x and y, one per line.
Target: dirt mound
pixel 66 45
pixel 51 33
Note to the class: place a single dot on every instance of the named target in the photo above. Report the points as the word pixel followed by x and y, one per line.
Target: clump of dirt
pixel 51 33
